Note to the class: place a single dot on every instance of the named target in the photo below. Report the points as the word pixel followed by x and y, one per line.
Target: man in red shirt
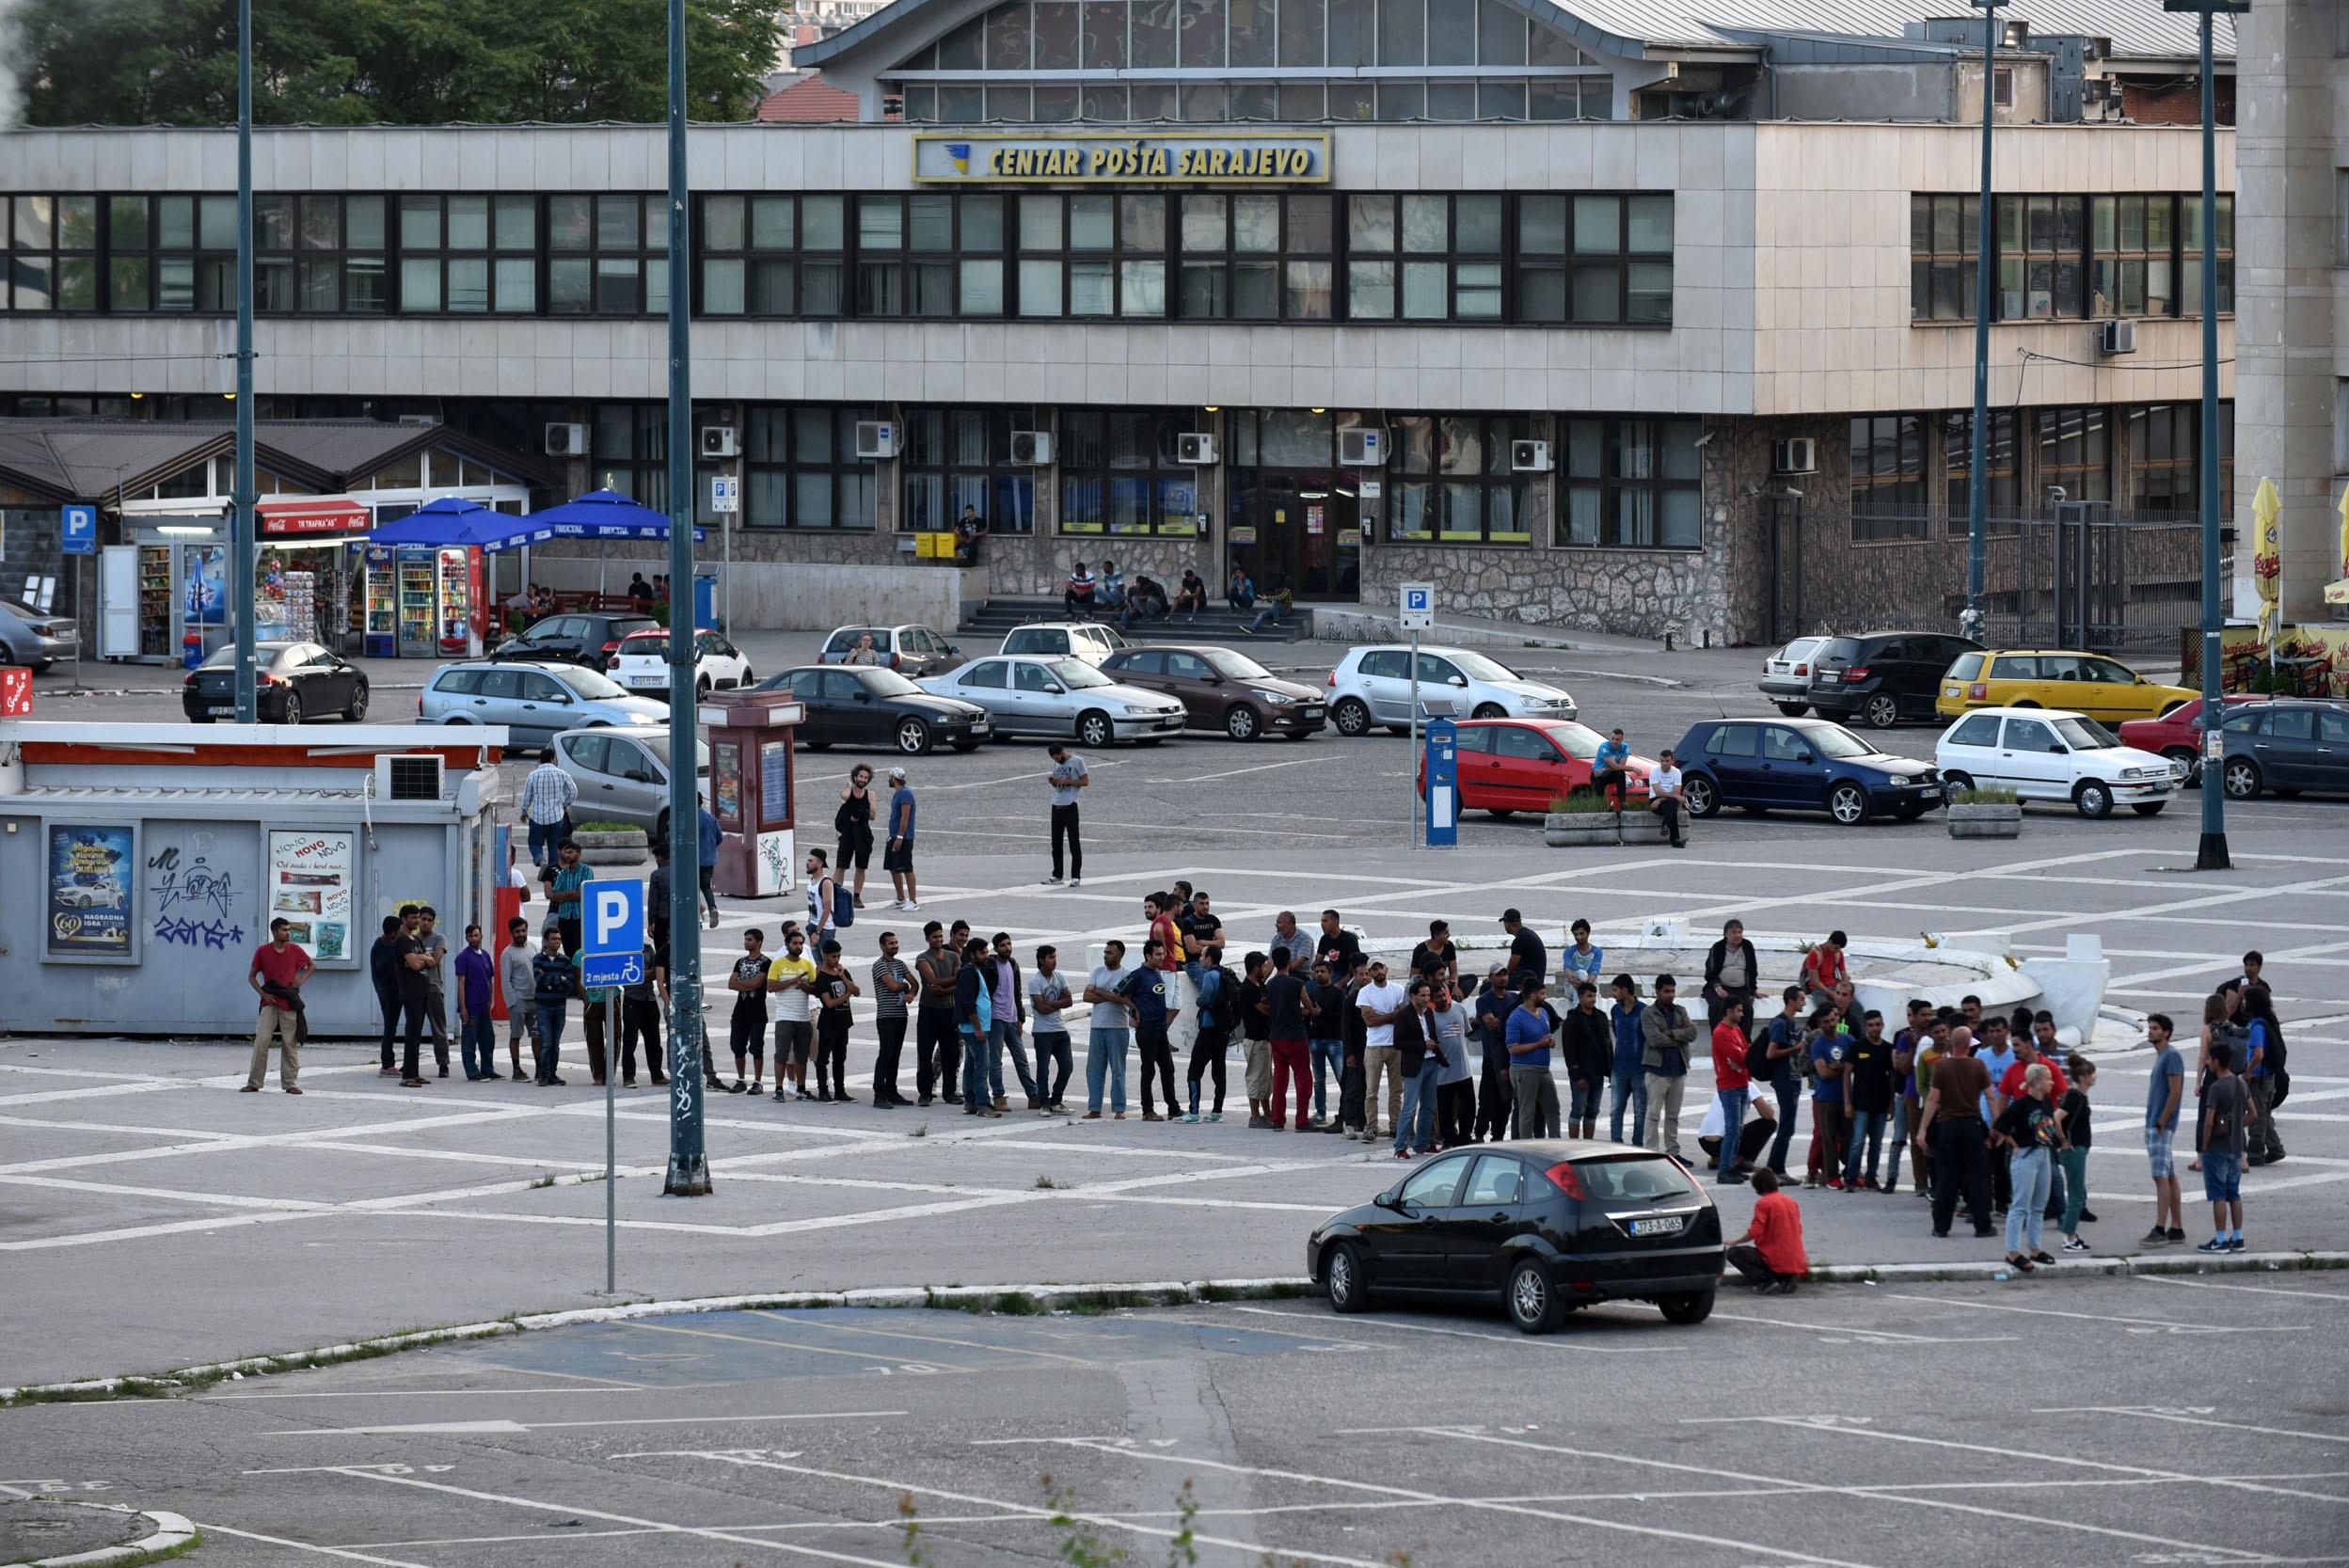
pixel 1769 1255
pixel 276 973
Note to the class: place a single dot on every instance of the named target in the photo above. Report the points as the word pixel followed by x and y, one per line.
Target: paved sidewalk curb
pixel 1028 1299
pixel 172 1535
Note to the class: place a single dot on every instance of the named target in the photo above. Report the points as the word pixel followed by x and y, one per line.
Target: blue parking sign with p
pixel 78 530
pixel 612 933
pixel 1416 599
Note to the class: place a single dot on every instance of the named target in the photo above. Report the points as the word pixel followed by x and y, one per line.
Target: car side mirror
pixel 1056 692
pixel 1457 680
pixel 1389 1200
pixel 1214 679
pixel 2055 749
pixel 954 650
pixel 1805 757
pixel 863 695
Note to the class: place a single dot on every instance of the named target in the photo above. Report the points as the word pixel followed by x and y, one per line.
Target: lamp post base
pixel 2211 854
pixel 688 1177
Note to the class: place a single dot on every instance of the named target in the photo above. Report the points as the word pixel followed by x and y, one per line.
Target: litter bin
pixel 192 649
pixel 705 603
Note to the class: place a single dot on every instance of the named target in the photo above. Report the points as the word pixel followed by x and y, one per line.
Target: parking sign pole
pixel 1416 801
pixel 611 1155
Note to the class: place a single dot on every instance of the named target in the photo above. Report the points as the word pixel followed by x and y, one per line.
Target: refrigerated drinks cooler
pixel 160 587
pixel 424 603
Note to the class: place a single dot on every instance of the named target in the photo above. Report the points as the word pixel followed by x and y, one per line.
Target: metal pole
pixel 611 1145
pixel 240 563
pixel 1985 262
pixel 1412 762
pixel 689 1163
pixel 2211 854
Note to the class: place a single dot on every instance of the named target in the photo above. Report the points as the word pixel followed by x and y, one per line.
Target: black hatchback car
pixel 1883 677
pixel 863 705
pixel 588 638
pixel 291 682
pixel 1544 1228
pixel 1800 765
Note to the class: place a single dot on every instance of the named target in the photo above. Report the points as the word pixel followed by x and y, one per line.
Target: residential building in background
pixel 1598 316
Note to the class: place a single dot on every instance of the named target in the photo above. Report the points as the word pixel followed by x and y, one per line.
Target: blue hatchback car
pixel 1800 765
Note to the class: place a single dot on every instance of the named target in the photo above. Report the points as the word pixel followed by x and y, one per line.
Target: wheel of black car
pixel 2239 778
pixel 1958 782
pixel 1794 710
pixel 1879 711
pixel 1847 804
pixel 1240 723
pixel 2191 759
pixel 356 712
pixel 1532 1300
pixel 2094 799
pixel 2148 808
pixel 291 712
pixel 913 737
pixel 1701 797
pixel 1094 729
pixel 1692 1306
pixel 1352 716
pixel 660 836
pixel 1489 710
pixel 1341 1278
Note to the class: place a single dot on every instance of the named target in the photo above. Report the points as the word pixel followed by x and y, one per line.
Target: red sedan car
pixel 2178 734
pixel 1512 765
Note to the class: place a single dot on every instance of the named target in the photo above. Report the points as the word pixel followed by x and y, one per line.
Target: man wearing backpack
pixel 1218 993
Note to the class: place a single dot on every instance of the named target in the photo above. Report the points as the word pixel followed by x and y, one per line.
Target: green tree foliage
pixel 395 62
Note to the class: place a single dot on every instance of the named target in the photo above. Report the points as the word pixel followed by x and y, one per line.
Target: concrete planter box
pixel 620 846
pixel 1985 821
pixel 1577 828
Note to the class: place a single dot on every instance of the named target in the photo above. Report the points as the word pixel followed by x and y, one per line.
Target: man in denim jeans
pixel 554 981
pixel 973 1016
pixel 1111 1032
pixel 1324 1044
pixel 1011 1004
pixel 1623 1019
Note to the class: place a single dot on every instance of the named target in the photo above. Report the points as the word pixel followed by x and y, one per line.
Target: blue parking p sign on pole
pixel 612 933
pixel 78 530
pixel 1443 784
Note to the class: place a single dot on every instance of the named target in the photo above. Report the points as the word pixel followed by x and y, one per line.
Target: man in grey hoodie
pixel 1668 1033
pixel 515 981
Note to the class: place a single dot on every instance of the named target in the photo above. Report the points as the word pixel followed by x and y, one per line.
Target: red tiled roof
pixel 810 101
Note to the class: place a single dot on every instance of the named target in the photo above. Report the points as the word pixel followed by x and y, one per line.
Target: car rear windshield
pixel 1799 649
pixel 1967 667
pixel 630 625
pixel 1840 647
pixel 1633 1179
pixel 655 646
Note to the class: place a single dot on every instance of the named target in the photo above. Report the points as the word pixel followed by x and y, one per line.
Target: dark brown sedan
pixel 1222 689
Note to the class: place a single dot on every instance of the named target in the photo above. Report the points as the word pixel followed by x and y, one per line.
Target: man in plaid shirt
pixel 546 796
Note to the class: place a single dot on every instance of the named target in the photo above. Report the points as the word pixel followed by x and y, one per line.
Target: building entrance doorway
pixel 1297 528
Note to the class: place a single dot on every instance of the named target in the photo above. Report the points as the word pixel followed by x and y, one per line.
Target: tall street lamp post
pixel 1985 259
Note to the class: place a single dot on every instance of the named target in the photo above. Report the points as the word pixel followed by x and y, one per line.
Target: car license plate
pixel 1172 722
pixel 1312 713
pixel 1931 792
pixel 1670 1224
pixel 221 710
pixel 648 680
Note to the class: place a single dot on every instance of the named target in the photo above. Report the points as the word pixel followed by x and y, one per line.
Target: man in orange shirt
pixel 1769 1255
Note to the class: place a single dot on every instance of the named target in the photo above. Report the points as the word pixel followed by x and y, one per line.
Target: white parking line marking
pixel 505 1427
pixel 2151 1414
pixel 2262 1290
pixel 1546 1342
pixel 347 1553
pixel 2164 1325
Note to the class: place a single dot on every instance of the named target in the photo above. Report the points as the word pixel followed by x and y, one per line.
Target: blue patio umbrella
pixel 453 520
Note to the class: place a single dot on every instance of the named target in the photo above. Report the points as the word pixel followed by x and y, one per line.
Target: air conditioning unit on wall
pixel 567 440
pixel 410 776
pixel 1529 457
pixel 717 440
pixel 1797 454
pixel 1362 447
pixel 876 440
pixel 2117 337
pixel 1195 447
pixel 1032 447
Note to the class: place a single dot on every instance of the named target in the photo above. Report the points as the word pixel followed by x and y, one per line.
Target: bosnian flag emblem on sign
pixel 959 153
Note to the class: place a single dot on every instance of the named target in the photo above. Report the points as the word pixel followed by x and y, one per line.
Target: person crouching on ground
pixel 1769 1254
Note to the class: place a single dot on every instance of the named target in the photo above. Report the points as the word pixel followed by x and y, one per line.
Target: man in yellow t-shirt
pixel 792 978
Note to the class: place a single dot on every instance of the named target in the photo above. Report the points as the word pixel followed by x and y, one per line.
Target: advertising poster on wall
pixel 207 586
pixel 91 916
pixel 310 876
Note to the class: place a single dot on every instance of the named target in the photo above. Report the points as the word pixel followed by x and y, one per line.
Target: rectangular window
pixel 1943 236
pixel 1631 483
pixel 607 256
pixel 800 467
pixel 1118 474
pixel 2075 453
pixel 1453 483
pixel 1888 477
pixel 958 463
pixel 2066 257
pixel 2190 232
pixel 2001 495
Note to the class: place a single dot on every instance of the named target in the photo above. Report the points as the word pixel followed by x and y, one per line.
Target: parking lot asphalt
pixel 2094 1423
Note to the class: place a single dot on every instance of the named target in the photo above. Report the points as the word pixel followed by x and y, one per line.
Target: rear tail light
pixel 1801 668
pixel 265 679
pixel 1332 681
pixel 613 663
pixel 1561 1177
pixel 1857 672
pixel 190 681
pixel 1978 692
pixel 610 646
pixel 893 661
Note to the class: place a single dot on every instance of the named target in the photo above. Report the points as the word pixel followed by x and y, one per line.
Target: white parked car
pixel 640 664
pixel 1372 686
pixel 1060 697
pixel 1089 640
pixel 1787 674
pixel 2046 753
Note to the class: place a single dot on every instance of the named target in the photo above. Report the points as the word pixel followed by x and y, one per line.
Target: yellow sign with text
pixel 1207 158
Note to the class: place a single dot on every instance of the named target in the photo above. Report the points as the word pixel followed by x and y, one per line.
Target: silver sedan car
pixel 1061 698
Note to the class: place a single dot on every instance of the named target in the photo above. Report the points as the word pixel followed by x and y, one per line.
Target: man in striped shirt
pixel 893 987
pixel 546 798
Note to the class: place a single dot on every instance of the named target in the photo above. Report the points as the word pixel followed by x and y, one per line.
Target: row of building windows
pixel 1894 470
pixel 1585 260
pixel 2072 257
pixel 1545 98
pixel 1211 35
pixel 1624 482
pixel 1210 256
